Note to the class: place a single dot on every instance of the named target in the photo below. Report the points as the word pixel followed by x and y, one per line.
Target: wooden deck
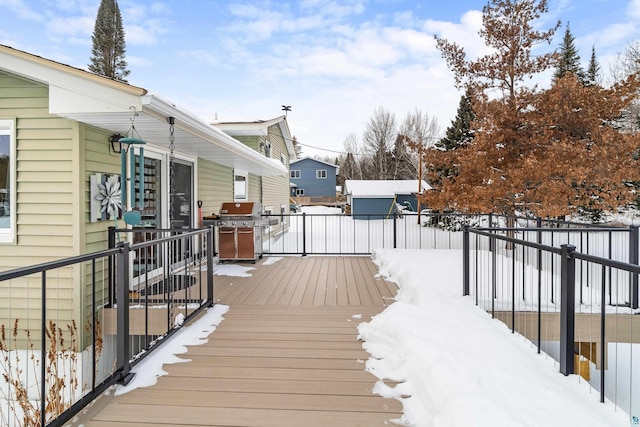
pixel 286 354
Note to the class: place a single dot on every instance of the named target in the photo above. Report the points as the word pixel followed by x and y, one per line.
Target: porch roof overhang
pixel 104 103
pixel 193 136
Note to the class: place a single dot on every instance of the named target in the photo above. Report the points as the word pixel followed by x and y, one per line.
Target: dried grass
pixel 22 377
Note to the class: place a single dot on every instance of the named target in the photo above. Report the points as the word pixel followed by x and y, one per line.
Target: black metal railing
pixel 575 306
pixel 339 234
pixel 73 327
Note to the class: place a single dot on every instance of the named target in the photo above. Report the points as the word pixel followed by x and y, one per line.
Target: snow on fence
pixel 71 328
pixel 577 303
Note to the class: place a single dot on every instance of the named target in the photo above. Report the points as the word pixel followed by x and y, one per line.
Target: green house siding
pixel 271 191
pixel 47 203
pixel 215 185
pixel 97 159
pixel 252 141
pixel 44 165
pixel 276 188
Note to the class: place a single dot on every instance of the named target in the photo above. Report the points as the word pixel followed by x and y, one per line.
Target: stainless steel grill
pixel 239 231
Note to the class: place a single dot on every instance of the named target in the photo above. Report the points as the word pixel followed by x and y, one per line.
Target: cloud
pixel 464 33
pixel 65 28
pixel 144 25
pixel 613 34
pixel 633 10
pixel 140 62
pixel 20 8
pixel 147 33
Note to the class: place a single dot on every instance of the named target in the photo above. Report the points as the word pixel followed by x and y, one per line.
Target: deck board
pixel 286 354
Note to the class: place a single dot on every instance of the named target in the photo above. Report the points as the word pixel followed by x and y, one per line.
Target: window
pixel 283 159
pixel 7 183
pixel 299 191
pixel 321 174
pixel 294 174
pixel 267 149
pixel 240 189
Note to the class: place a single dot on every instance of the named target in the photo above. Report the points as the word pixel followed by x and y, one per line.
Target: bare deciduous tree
pixel 378 139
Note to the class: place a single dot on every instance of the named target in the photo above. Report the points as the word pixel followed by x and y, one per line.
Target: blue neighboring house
pixel 313 178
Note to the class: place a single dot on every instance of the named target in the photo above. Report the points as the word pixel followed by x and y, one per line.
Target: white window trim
pixel 8 127
pixel 300 192
pixel 320 172
pixel 238 172
pixel 297 173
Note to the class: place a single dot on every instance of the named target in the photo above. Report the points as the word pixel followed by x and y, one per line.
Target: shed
pixel 374 199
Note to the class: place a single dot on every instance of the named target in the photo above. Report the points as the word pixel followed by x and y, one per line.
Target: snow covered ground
pixel 458 366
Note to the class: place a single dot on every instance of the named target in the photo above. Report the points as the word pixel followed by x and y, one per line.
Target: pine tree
pixel 108 51
pixel 569 60
pixel 502 96
pixel 547 153
pixel 593 71
pixel 459 133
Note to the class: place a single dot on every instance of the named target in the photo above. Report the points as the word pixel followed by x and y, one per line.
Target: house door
pixel 181 199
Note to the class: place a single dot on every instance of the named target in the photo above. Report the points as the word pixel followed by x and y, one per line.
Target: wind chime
pixel 128 156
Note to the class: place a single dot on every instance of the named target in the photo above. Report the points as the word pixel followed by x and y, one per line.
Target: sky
pixel 459 366
pixel 334 62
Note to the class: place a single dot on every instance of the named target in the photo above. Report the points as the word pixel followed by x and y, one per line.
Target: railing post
pixel 567 309
pixel 492 249
pixel 122 314
pixel 539 262
pixel 304 234
pixel 112 268
pixel 633 259
pixel 210 250
pixel 395 223
pixel 465 260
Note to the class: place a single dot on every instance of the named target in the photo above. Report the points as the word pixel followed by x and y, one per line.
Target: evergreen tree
pixel 569 60
pixel 593 71
pixel 547 153
pixel 459 133
pixel 108 51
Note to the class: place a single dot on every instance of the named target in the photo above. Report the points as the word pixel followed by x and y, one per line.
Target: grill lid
pixel 240 209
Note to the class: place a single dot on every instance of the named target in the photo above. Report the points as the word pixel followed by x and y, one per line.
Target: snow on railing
pixel 71 328
pixel 572 292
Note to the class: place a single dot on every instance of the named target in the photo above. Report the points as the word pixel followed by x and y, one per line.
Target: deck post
pixel 539 263
pixel 494 269
pixel 122 314
pixel 567 309
pixel 210 250
pixel 633 259
pixel 465 260
pixel 304 234
pixel 395 227
pixel 112 266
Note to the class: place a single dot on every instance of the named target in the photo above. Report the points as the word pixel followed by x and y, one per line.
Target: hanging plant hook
pixel 134 138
